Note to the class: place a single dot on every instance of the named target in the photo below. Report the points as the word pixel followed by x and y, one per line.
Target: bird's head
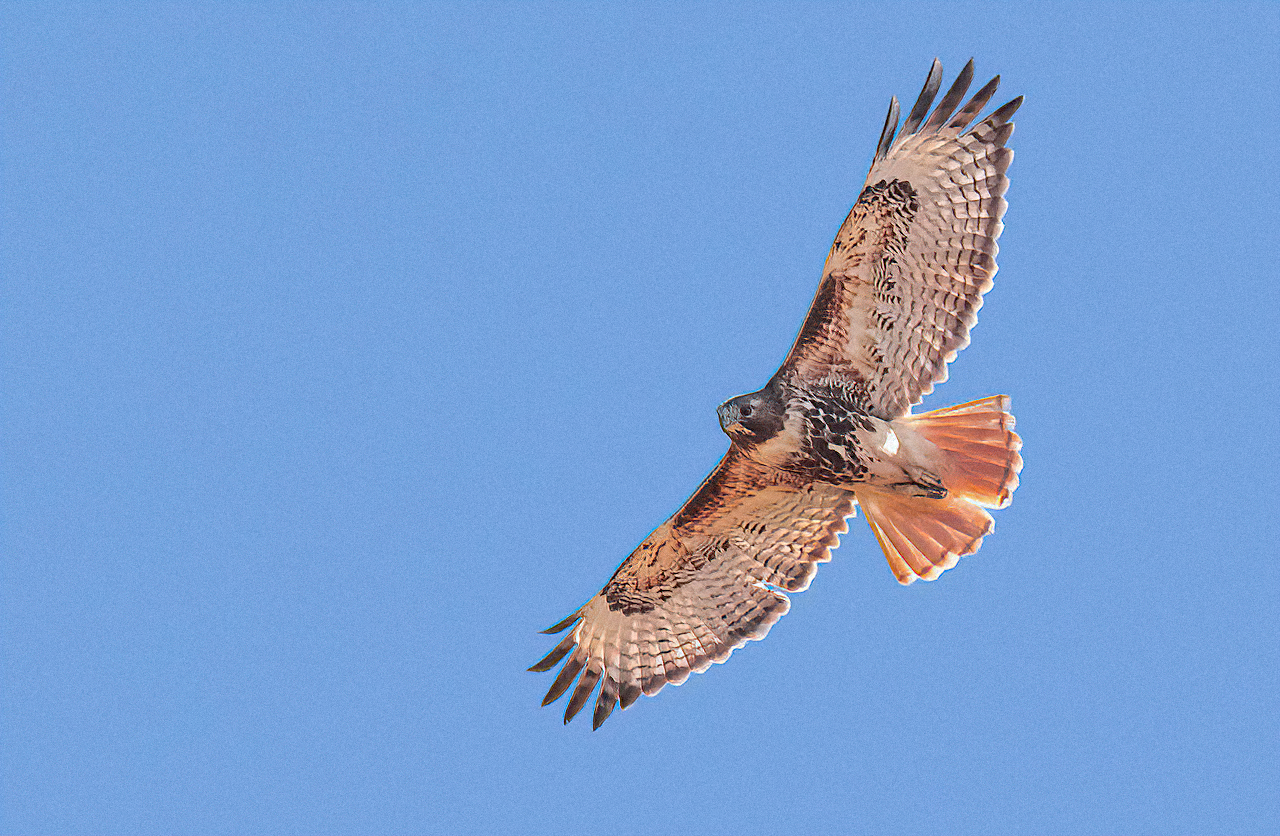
pixel 751 418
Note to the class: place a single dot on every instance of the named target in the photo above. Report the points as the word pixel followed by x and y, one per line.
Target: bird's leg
pixel 921 483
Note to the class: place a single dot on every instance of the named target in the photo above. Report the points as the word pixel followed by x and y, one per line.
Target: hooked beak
pixel 730 421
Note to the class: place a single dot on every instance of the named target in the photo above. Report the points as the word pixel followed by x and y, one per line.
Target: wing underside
pixel 704 583
pixel 905 276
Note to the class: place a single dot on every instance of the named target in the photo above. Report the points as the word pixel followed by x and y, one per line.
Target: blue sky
pixel 344 347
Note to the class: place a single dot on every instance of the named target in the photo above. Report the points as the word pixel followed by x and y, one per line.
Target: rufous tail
pixel 922 537
pixel 979 448
pixel 978 464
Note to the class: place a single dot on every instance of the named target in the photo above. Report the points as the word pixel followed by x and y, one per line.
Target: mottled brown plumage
pixel 899 293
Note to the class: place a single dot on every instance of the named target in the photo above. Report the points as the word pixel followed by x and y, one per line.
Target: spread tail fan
pixel 980 458
pixel 979 465
pixel 922 537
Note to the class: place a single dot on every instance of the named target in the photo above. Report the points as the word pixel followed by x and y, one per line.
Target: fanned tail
pixel 922 537
pixel 980 458
pixel 978 461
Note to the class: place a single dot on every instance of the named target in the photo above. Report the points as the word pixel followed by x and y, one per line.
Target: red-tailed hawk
pixel 833 428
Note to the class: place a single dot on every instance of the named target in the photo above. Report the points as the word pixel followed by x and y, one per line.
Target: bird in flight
pixel 833 428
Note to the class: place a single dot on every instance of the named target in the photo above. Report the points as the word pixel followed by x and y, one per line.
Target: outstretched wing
pixel 708 580
pixel 905 277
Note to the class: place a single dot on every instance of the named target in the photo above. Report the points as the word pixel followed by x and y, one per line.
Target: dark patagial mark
pixel 895 199
pixel 622 596
pixel 649 582
pixel 823 312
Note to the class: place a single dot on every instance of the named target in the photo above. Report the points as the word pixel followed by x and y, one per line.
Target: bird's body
pixel 833 427
pixel 826 436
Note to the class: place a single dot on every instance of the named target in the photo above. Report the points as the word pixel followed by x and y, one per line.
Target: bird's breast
pixel 840 445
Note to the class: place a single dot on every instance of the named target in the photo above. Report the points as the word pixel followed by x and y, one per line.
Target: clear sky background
pixel 345 347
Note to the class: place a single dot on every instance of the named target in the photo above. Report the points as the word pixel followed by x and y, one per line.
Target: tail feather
pixel 980 458
pixel 975 451
pixel 923 537
pixel 899 541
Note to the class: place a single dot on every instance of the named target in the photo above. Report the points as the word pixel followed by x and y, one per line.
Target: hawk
pixel 833 427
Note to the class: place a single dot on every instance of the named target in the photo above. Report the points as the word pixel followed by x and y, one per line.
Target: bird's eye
pixel 745 411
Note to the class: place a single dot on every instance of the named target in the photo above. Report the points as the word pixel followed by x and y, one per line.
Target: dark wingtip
pixel 604 705
pixel 952 99
pixel 931 85
pixel 582 692
pixel 561 626
pixel 890 128
pixel 1005 111
pixel 974 105
pixel 557 653
pixel 629 693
